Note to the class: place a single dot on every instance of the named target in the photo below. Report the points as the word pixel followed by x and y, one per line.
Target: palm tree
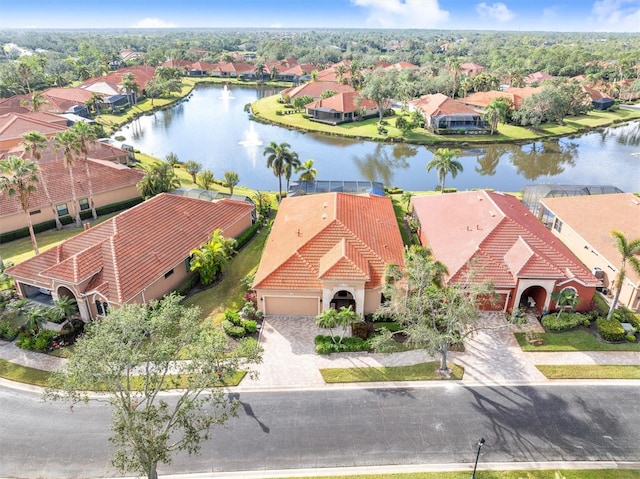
pixel 231 178
pixel 67 141
pixel 259 71
pixel 94 104
pixel 406 199
pixel 213 257
pixel 567 298
pixel 85 135
pixel 277 158
pixel 34 142
pixel 130 86
pixel 18 177
pixel 496 112
pixel 308 172
pixel 630 254
pixel 36 102
pixel 444 164
pixel 159 178
pixel 193 168
pixel 291 162
pixel 273 72
pixel 172 159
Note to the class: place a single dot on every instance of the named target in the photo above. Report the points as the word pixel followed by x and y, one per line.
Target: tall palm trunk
pixel 31 232
pixel 74 197
pixel 46 193
pixel 91 203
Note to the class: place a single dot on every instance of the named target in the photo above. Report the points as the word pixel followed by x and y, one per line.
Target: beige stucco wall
pixel 372 300
pixel 591 258
pixel 19 220
pixel 282 302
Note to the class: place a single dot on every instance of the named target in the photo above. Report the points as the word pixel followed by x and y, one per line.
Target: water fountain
pixel 251 137
pixel 226 94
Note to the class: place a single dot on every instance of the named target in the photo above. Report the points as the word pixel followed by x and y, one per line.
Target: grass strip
pixel 417 372
pixel 578 340
pixel 589 371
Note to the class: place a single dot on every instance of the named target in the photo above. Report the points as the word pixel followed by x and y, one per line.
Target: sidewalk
pixel 491 357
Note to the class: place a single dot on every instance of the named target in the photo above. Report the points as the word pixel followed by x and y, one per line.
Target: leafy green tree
pixel 444 163
pixel 301 101
pixel 629 255
pixel 18 177
pixel 193 168
pixel 380 88
pixel 172 159
pixel 132 356
pixel 231 178
pixel 277 158
pixel 307 171
pixel 332 318
pixel 432 314
pixel 67 142
pixel 205 179
pixel 213 257
pixel 159 178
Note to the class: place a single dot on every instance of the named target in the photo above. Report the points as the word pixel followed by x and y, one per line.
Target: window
pixel 99 308
pixel 557 225
pixel 35 212
pixel 105 307
pixel 168 273
pixel 62 209
pixel 84 204
pixel 187 263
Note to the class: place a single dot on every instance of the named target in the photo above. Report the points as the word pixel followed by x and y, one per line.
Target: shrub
pixel 233 330
pixel 8 331
pixel 326 345
pixel 610 330
pixel 586 322
pixel 562 322
pixel 630 337
pixel 44 339
pixel 244 238
pixel 249 325
pixel 233 317
pixel 25 342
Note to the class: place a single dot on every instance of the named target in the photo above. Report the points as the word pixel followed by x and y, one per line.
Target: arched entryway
pixel 343 298
pixel 533 299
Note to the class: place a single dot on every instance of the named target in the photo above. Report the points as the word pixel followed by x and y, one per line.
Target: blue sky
pixel 518 15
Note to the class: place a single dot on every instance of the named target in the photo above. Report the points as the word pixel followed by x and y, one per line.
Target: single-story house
pixel 584 225
pixel 14 125
pixel 342 107
pixel 537 78
pixel 481 100
pixel 599 100
pixel 314 90
pixel 111 182
pixel 231 69
pixel 137 256
pixel 199 69
pixel 328 251
pixel 494 235
pixel 470 69
pixel 445 115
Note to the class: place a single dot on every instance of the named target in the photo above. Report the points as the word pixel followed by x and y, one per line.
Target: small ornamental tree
pixel 332 318
pixel 131 357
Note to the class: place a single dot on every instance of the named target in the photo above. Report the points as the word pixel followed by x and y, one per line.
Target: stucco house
pixel 585 223
pixel 314 90
pixel 137 256
pixel 328 250
pixel 495 234
pixel 342 107
pixel 111 182
pixel 445 115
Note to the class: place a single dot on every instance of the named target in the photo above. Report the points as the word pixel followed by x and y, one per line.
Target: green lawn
pixel 229 292
pixel 578 340
pixel 23 374
pixel 589 371
pixel 416 372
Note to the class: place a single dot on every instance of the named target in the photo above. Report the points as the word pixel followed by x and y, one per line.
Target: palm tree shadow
pixel 248 410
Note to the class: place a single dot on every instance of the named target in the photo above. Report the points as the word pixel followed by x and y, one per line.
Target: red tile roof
pixel 498 235
pixel 330 236
pixel 315 89
pixel 439 104
pixel 343 102
pixel 516 95
pixel 125 254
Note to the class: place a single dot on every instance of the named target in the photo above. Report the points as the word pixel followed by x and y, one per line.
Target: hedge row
pixel 610 330
pixel 67 219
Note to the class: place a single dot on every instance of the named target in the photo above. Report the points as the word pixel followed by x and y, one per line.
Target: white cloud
pixel 151 22
pixel 403 13
pixel 496 11
pixel 617 15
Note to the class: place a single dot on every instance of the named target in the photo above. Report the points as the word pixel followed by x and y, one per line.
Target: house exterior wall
pixel 591 258
pixel 372 299
pixel 172 278
pixel 19 220
pixel 585 294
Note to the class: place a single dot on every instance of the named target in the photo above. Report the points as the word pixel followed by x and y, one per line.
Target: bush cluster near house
pixel 242 323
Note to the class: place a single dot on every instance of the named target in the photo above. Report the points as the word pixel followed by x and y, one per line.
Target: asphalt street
pixel 437 424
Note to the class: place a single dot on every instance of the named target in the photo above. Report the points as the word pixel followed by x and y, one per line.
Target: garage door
pixel 291 306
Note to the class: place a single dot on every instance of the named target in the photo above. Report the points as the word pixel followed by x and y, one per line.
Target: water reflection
pixel 629 135
pixel 544 158
pixel 380 166
pixel 489 159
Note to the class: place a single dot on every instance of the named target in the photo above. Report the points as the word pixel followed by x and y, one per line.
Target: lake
pixel 211 127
